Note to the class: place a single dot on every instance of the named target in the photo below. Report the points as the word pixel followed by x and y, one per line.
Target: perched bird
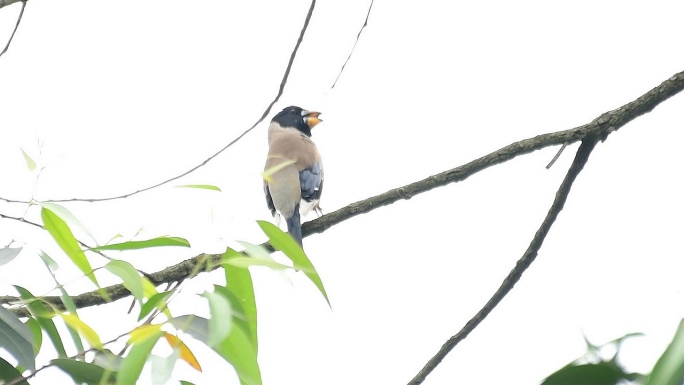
pixel 293 175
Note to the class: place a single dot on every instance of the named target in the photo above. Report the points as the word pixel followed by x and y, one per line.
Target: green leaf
pixel 61 233
pixel 142 341
pixel 107 360
pixel 196 326
pixel 86 331
pixel 49 263
pixel 603 373
pixel 44 318
pixel 239 317
pixel 9 373
pixel 284 242
pixel 129 275
pixel 238 350
pixel 221 318
pixel 201 186
pixel 239 283
pixel 7 254
pixel 84 372
pixel 268 173
pixel 154 302
pixel 33 325
pixel 245 262
pixel 17 339
pixel 69 218
pixel 29 162
pixel 162 367
pixel 669 370
pixel 155 242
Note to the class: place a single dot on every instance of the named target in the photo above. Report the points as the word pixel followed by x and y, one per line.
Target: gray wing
pixel 311 182
pixel 269 199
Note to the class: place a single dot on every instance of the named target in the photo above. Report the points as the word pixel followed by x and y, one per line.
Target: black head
pixel 300 119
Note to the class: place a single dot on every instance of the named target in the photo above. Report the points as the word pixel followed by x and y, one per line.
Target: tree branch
pixel 4 3
pixel 523 263
pixel 16 26
pixel 599 128
pixel 365 23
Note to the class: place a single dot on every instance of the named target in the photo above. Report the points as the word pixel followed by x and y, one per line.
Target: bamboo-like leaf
pixel 49 263
pixel 69 218
pixel 200 186
pixel 669 370
pixel 61 233
pixel 44 318
pixel 239 283
pixel 30 163
pixel 185 352
pixel 237 349
pixel 142 340
pixel 196 326
pixel 84 372
pixel 129 275
pixel 7 254
pixel 221 318
pixel 154 302
pixel 9 373
pixel 162 367
pixel 283 242
pixel 245 262
pixel 155 242
pixel 83 329
pixel 33 325
pixel 17 339
pixel 268 173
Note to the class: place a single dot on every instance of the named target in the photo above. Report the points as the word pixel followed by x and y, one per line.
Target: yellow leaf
pixel 185 353
pixel 86 331
pixel 286 162
pixel 143 333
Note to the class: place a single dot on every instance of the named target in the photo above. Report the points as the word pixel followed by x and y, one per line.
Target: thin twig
pixel 16 26
pixel 523 263
pixel 365 23
pixel 266 112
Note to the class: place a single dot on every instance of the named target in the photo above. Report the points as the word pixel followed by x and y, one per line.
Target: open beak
pixel 311 118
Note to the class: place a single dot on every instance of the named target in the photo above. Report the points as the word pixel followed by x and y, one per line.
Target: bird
pixel 293 174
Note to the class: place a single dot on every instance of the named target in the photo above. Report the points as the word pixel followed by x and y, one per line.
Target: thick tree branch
pixel 599 128
pixel 523 263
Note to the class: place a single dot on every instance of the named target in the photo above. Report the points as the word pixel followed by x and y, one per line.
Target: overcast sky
pixel 124 95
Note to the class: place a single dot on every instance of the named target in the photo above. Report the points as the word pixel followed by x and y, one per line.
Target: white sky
pixel 124 95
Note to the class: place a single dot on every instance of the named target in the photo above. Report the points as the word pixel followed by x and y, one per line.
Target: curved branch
pixel 266 112
pixel 599 128
pixel 523 263
pixel 16 26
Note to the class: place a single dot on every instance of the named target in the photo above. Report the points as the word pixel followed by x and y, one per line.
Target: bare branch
pixel 16 26
pixel 4 3
pixel 523 263
pixel 365 23
pixel 266 112
pixel 599 128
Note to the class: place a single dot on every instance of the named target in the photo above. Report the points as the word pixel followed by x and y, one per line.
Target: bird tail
pixel 294 226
